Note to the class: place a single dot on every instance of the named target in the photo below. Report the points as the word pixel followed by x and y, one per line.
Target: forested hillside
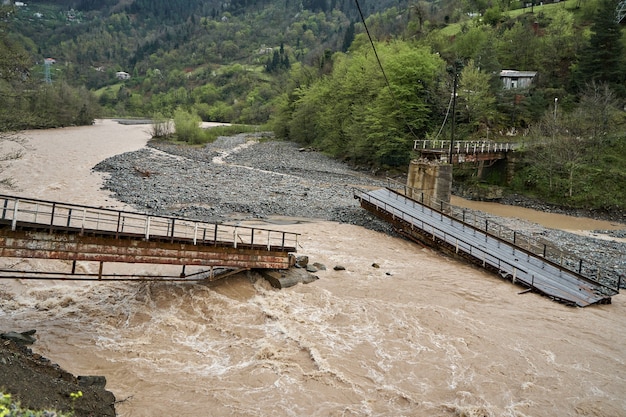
pixel 185 52
pixel 315 73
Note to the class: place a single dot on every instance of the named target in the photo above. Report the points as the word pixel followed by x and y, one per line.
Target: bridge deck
pixel 31 228
pixel 437 229
pixel 463 151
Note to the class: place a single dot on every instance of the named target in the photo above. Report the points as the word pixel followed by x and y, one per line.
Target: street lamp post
pixel 556 100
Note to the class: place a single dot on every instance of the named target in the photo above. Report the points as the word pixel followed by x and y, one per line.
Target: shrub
pixel 11 408
pixel 162 127
pixel 217 131
pixel 187 126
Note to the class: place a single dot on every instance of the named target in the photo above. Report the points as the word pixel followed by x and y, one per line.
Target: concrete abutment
pixel 429 181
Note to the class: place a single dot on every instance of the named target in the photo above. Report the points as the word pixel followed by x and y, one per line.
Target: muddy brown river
pixel 423 335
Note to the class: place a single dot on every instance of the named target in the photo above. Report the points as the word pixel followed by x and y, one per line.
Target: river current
pixel 420 335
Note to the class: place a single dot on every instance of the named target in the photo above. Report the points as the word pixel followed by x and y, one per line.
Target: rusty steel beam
pixel 463 157
pixel 62 246
pixel 486 156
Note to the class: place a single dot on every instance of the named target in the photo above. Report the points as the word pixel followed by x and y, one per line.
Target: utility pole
pixel 456 78
pixel 456 68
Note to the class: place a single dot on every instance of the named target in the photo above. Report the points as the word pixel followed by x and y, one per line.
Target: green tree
pixel 303 124
pixel 60 104
pixel 348 38
pixel 486 59
pixel 207 93
pixel 14 76
pixel 468 44
pixel 477 102
pixel 557 48
pixel 518 48
pixel 602 60
pixel 557 155
pixel 493 16
pixel 403 111
pixel 13 71
pixel 353 114
pixel 596 117
pixel 161 127
pixel 187 127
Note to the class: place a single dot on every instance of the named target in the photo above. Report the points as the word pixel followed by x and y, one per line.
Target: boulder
pixel 99 381
pixel 287 278
pixel 301 261
pixel 22 338
pixel 319 266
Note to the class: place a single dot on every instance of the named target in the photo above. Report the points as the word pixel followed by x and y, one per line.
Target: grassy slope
pixel 547 9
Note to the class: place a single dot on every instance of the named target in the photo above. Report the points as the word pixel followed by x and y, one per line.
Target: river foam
pixel 420 335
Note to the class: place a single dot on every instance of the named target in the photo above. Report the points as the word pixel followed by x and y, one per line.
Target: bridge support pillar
pixel 429 182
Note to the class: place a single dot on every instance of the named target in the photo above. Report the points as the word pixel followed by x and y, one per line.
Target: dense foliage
pixel 577 158
pixel 602 58
pixel 367 122
pixel 30 103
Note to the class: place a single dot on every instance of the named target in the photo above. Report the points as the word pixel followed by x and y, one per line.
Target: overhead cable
pixel 382 69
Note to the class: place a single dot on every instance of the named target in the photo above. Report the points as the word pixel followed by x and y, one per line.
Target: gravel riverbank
pixel 239 178
pixel 251 177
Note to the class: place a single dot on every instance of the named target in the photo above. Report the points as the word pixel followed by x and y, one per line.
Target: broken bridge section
pixel 523 259
pixel 31 228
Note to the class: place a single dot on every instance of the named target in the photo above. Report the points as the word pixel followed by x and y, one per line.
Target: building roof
pixel 515 73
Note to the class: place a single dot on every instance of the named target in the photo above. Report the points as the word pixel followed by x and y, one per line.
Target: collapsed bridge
pixel 31 228
pixel 525 260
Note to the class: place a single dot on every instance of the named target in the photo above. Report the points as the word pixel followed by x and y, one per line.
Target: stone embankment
pixel 251 177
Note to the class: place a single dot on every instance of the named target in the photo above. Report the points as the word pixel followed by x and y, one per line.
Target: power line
pixel 382 69
pixel 445 119
pixel 380 64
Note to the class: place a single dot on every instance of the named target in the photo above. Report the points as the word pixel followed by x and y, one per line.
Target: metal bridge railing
pixel 442 234
pixel 608 277
pixel 22 212
pixel 465 146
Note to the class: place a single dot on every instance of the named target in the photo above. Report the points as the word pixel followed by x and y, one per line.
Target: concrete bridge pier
pixel 429 182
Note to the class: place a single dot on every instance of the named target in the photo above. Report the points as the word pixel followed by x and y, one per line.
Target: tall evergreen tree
pixel 602 60
pixel 348 38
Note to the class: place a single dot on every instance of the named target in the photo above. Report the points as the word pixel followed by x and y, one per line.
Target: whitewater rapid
pixel 420 335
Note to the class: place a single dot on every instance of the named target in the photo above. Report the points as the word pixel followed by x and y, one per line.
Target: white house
pixel 121 75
